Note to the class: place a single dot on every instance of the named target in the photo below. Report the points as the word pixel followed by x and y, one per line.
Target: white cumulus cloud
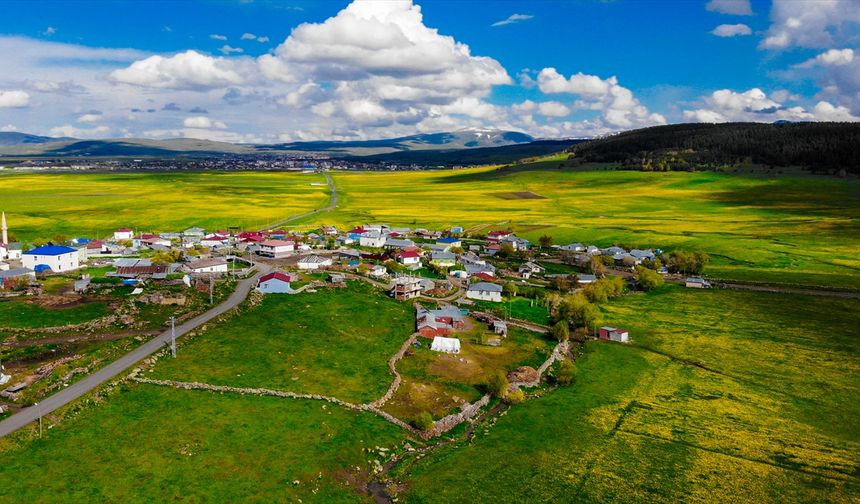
pixel 617 104
pixel 832 57
pixel 14 99
pixel 810 23
pixel 189 69
pixel 731 30
pixel 203 122
pixel 755 105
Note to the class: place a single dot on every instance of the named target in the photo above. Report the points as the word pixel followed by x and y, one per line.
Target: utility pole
pixel 211 289
pixel 173 336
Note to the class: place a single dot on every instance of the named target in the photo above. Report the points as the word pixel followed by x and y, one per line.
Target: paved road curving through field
pixel 76 390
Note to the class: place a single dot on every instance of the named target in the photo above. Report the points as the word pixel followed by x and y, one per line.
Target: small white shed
pixel 446 345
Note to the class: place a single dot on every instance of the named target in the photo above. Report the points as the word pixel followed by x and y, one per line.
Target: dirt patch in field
pixel 517 195
pixel 51 302
pixel 415 397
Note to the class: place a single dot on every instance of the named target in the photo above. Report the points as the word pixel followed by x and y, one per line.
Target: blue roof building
pixel 55 258
pixel 50 250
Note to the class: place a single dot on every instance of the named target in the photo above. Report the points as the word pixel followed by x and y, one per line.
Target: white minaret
pixel 5 235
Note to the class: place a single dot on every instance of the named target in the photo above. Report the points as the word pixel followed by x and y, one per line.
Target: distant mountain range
pixel 24 145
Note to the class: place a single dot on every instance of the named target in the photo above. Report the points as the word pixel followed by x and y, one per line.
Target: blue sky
pixel 237 70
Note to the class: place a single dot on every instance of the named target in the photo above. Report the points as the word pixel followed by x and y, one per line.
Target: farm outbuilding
pixel 445 345
pixel 613 334
pixel 697 283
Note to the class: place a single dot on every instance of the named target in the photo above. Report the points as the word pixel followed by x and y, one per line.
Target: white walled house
pixel 485 291
pixel 123 234
pixel 208 266
pixel 313 262
pixel 276 248
pixel 373 239
pixel 57 258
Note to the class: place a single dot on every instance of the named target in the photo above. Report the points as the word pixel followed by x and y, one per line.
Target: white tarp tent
pixel 447 345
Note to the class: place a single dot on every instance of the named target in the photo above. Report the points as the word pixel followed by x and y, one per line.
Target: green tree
pixel 515 397
pixel 545 241
pixel 424 421
pixel 596 265
pixel 497 384
pixel 566 373
pixel 561 331
pixel 647 279
pixel 510 289
pixel 506 251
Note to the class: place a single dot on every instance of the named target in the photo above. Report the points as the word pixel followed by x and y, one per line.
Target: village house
pixel 11 276
pixel 516 243
pixel 276 282
pixel 55 258
pixel 528 269
pixel 123 234
pixel 585 278
pixel 573 247
pixel 329 230
pixel 398 243
pixel 471 258
pixel 406 287
pixel 443 259
pixel 372 239
pixel 214 265
pixel 139 268
pixel 456 230
pixel 408 258
pixel 450 241
pixel 215 241
pixel 496 236
pixel 440 322
pixel 485 291
pixel 477 269
pixel 492 249
pixel 14 250
pixel 194 234
pixel 275 249
pixel 613 334
pixel 314 262
pixel 378 271
pixel 149 241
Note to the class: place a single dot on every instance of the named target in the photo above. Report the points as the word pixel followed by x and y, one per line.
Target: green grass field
pixel 154 444
pixel 723 397
pixel 801 230
pixel 334 342
pixel 791 229
pixel 24 315
pixel 95 204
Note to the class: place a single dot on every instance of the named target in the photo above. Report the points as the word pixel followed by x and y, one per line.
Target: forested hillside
pixel 820 147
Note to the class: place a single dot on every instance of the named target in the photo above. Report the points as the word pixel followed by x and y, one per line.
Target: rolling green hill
pixel 826 147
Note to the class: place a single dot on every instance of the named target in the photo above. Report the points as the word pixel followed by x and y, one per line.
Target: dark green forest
pixel 822 147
